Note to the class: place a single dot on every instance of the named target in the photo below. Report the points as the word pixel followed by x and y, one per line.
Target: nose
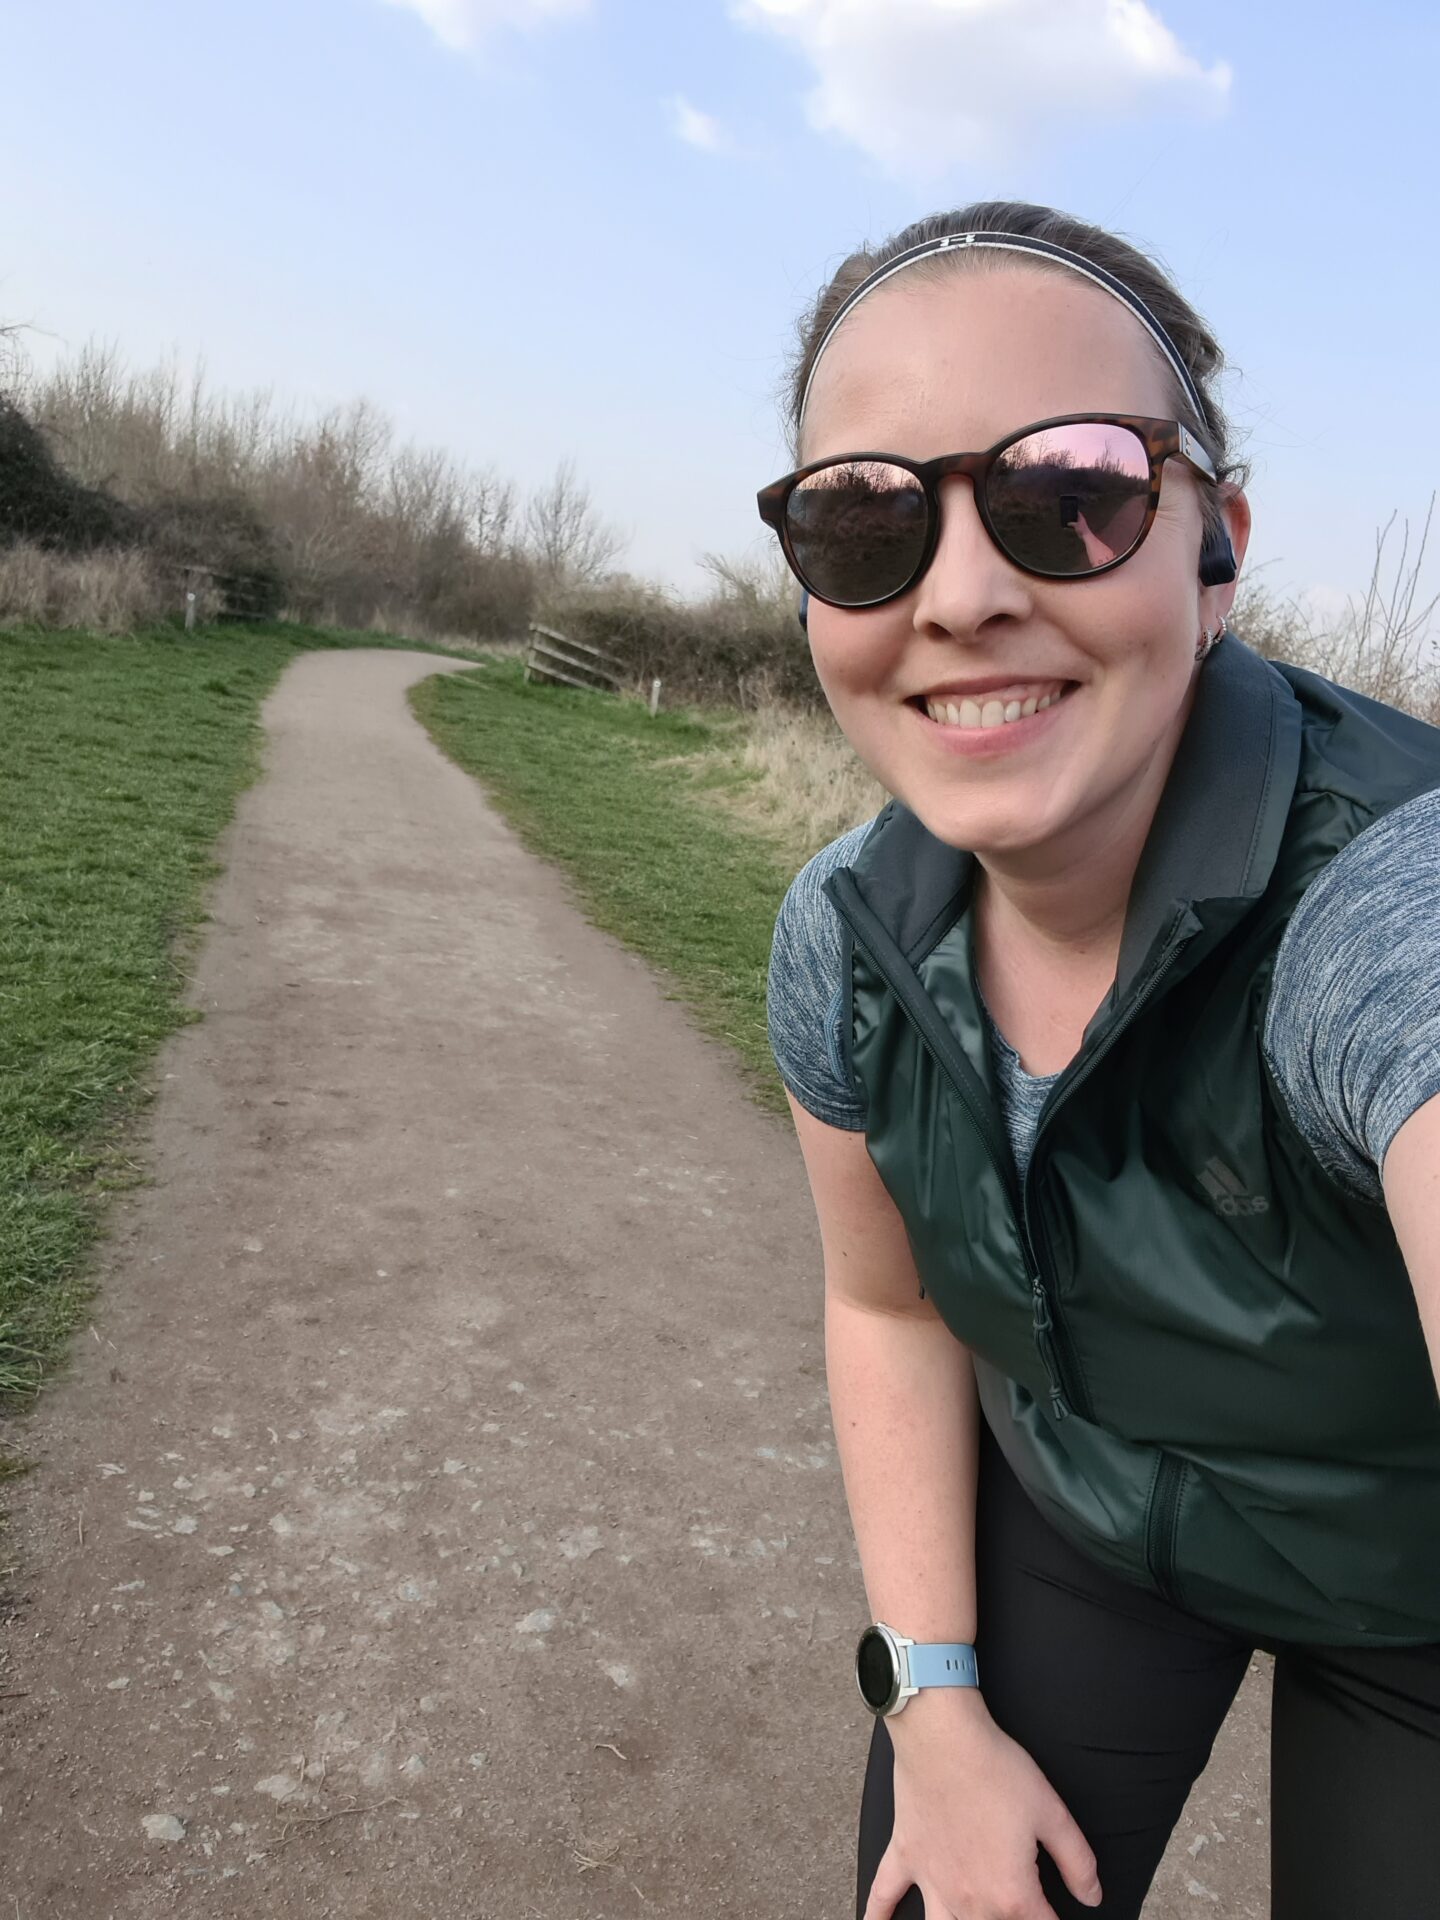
pixel 969 582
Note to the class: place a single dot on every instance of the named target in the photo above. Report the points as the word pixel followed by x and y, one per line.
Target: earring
pixel 1209 640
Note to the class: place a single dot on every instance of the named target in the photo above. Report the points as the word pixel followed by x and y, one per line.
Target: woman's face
pixel 929 367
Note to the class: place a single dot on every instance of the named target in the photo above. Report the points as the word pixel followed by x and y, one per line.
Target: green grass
pixel 120 763
pixel 627 806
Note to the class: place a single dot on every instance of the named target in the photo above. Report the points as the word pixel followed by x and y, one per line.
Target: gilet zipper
pixel 1066 1364
pixel 1161 1523
pixel 1052 1341
pixel 924 1017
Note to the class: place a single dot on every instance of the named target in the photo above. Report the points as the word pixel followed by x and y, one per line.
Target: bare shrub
pixel 11 357
pixel 1382 645
pixel 570 544
pixel 43 504
pixel 225 537
pixel 151 433
pixel 1277 628
pixel 741 645
pixel 108 590
pixel 321 514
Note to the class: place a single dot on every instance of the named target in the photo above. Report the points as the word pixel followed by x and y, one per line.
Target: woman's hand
pixel 971 1809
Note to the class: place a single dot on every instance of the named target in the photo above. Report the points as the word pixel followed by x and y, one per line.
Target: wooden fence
pixel 551 656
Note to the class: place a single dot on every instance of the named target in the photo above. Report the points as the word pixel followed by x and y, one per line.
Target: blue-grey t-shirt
pixel 1352 1032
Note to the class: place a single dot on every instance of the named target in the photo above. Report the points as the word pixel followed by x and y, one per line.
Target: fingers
pixel 1070 1850
pixel 1055 1830
pixel 888 1888
pixel 893 1881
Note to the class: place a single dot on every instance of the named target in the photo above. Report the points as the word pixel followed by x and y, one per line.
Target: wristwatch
pixel 889 1669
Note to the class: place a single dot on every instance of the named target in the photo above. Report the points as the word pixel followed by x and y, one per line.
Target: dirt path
pixel 443 1516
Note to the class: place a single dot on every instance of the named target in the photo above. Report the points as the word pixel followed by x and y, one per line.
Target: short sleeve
pixel 1352 1034
pixel 805 1001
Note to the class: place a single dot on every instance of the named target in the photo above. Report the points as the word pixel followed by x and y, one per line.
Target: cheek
pixel 853 653
pixel 1144 617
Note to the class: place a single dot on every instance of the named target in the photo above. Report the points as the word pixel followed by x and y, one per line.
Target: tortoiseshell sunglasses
pixel 1064 499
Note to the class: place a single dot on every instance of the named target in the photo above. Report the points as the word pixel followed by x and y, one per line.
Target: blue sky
pixel 543 229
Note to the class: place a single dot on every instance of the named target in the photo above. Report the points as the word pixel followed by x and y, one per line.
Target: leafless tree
pixel 12 358
pixel 570 543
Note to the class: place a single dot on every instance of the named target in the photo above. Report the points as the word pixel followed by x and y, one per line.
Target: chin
pixel 984 830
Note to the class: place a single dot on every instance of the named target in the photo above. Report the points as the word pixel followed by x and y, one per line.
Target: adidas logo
pixel 1227 1191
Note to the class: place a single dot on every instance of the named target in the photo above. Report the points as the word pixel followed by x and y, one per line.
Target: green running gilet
pixel 1201 1355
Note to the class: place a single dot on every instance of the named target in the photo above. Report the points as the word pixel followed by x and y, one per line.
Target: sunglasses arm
pixel 1191 450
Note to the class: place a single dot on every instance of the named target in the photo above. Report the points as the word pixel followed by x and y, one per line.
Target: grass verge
pixel 626 805
pixel 122 761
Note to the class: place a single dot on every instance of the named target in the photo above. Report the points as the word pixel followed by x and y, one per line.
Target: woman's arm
pixel 904 1407
pixel 1412 1195
pixel 902 1398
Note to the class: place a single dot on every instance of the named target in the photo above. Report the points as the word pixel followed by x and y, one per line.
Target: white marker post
pixel 654 698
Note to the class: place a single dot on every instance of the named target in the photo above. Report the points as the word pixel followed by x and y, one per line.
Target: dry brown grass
pixel 110 590
pixel 809 784
pixel 403 623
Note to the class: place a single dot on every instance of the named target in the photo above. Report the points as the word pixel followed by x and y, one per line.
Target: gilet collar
pixel 1211 848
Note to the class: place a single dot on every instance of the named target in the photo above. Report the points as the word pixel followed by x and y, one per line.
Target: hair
pixel 1192 338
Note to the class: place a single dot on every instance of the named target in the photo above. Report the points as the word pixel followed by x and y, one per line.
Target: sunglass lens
pixel 857 530
pixel 1070 499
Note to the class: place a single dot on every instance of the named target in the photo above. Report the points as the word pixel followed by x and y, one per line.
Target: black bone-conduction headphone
pixel 1217 559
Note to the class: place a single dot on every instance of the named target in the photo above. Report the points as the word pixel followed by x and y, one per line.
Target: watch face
pixel 875 1669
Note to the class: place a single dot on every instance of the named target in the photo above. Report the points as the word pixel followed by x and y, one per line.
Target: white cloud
pixel 697 129
pixel 462 24
pixel 923 86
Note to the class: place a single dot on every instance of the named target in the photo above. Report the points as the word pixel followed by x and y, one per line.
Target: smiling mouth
pixel 977 714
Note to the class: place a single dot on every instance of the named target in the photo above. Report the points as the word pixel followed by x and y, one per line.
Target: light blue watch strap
pixel 942 1664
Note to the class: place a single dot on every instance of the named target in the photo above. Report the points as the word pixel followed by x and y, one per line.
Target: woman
pixel 1113 1047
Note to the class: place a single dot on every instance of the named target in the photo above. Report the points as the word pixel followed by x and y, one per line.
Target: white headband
pixel 1013 243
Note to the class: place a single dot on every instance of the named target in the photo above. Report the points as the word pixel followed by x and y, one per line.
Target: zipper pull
pixel 1040 1305
pixel 1044 1325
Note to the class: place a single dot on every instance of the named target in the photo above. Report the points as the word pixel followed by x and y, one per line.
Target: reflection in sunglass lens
pixel 1070 499
pixel 857 530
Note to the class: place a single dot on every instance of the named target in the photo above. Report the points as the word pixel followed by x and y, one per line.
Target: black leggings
pixel 1117 1696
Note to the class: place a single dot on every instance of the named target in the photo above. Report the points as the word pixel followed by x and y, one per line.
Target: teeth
pixel 989 713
